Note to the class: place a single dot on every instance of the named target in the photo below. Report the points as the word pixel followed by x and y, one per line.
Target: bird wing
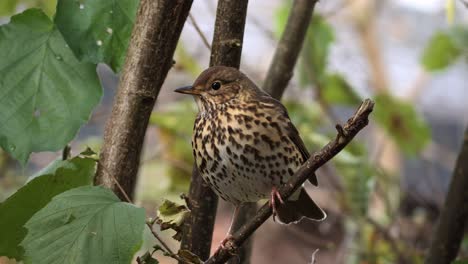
pixel 293 133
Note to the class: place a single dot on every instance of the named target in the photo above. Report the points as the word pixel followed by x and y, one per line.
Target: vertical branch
pixel 155 34
pixel 289 46
pixel 279 74
pixel 226 50
pixel 451 227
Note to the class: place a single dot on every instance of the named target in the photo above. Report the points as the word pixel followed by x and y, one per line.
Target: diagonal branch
pixel 226 50
pixel 345 134
pixel 289 46
pixel 154 38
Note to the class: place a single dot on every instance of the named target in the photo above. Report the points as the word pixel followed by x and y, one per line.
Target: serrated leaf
pixel 147 259
pixel 189 257
pixel 20 207
pixel 172 215
pixel 440 52
pixel 97 31
pixel 84 225
pixel 402 123
pixel 336 90
pixel 45 93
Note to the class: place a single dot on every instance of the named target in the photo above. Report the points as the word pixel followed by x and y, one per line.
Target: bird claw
pixel 225 243
pixel 275 195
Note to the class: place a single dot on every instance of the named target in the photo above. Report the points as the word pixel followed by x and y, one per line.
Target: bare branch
pixel 200 33
pixel 226 50
pixel 289 46
pixel 355 124
pixel 451 227
pixel 154 38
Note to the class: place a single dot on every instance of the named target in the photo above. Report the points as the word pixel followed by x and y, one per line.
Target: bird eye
pixel 216 85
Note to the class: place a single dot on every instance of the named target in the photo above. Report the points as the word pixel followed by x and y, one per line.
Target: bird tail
pixel 292 211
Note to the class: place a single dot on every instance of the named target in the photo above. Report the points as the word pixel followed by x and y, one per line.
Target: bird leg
pixel 273 196
pixel 231 227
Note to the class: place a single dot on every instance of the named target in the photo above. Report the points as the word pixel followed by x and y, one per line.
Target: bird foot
pixel 226 243
pixel 273 196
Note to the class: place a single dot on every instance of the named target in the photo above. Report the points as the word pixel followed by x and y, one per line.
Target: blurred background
pixel 384 192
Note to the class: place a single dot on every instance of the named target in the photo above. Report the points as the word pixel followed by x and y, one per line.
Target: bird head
pixel 220 85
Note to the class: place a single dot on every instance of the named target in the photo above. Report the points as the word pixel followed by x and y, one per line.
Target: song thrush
pixel 245 145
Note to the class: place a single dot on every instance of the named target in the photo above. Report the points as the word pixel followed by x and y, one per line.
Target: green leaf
pixel 45 93
pixel 97 31
pixel 171 215
pixel 147 259
pixel 20 207
pixel 84 225
pixel 402 123
pixel 337 90
pixel 441 52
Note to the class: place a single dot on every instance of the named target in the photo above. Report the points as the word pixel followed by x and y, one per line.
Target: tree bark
pixel 451 226
pixel 154 38
pixel 226 50
pixel 279 74
pixel 289 46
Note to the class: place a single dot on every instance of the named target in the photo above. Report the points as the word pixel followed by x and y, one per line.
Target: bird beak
pixel 187 90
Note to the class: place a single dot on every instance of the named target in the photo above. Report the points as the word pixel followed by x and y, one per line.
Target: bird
pixel 245 145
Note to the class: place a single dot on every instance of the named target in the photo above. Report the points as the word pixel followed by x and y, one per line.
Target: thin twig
pixel 355 124
pixel 200 33
pixel 161 241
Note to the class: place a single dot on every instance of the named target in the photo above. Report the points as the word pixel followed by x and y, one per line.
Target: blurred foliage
pixel 445 48
pixel 361 179
pixel 174 125
pixel 402 123
pixel 9 7
pixel 352 163
pixel 186 62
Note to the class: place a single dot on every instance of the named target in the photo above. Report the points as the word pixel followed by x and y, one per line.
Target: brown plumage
pixel 245 145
